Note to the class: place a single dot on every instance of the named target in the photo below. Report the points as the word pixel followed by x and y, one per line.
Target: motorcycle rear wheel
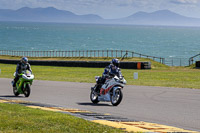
pixel 27 90
pixel 16 93
pixel 94 97
pixel 115 100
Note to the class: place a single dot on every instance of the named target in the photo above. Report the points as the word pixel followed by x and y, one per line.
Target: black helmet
pixel 24 60
pixel 115 62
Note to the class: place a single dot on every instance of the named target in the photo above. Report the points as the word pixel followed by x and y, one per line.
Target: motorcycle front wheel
pixel 27 90
pixel 16 93
pixel 117 98
pixel 94 97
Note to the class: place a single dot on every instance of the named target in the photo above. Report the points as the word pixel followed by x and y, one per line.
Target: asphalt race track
pixel 179 107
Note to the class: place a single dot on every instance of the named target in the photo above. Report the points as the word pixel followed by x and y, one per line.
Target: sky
pixel 110 9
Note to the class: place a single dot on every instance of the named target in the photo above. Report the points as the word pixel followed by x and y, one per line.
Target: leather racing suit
pixel 109 71
pixel 21 67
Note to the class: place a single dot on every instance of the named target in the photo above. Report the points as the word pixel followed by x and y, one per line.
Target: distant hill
pixel 50 14
pixel 161 17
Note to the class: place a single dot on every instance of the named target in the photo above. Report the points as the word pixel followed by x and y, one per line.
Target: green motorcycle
pixel 23 85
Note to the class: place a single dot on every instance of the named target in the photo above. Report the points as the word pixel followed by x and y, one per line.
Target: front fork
pixel 94 89
pixel 19 85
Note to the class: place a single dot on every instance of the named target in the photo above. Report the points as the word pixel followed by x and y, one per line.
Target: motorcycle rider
pixel 110 71
pixel 21 66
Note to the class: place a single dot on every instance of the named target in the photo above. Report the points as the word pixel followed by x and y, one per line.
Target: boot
pixel 13 83
pixel 98 87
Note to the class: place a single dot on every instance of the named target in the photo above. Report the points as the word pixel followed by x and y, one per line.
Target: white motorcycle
pixel 111 90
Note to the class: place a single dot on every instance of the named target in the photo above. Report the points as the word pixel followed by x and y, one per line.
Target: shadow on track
pixel 92 104
pixel 11 96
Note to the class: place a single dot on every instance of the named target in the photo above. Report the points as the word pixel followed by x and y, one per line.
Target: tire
pixel 16 93
pixel 27 90
pixel 115 100
pixel 94 97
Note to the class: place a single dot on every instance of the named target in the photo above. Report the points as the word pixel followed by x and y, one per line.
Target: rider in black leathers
pixel 109 71
pixel 21 66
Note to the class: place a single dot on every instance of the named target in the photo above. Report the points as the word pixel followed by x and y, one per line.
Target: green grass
pixel 17 118
pixel 159 75
pixel 181 77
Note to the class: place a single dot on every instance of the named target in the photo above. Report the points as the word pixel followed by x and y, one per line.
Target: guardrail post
pixel 90 53
pixel 192 60
pixel 107 53
pixel 112 53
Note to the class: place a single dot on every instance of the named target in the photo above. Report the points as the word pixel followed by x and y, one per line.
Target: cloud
pixel 113 3
pixel 185 2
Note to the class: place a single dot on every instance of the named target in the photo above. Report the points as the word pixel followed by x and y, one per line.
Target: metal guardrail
pixel 102 53
pixel 81 53
pixel 193 58
pixel 176 61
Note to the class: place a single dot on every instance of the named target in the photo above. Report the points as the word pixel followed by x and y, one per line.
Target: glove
pixel 111 74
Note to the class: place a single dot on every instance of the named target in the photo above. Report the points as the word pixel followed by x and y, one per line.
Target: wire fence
pixel 102 53
pixel 176 61
pixel 81 53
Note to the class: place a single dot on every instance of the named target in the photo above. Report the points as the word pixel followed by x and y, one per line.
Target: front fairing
pixel 120 80
pixel 23 81
pixel 28 78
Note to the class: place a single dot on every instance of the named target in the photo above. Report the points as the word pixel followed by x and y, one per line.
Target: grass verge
pixel 17 118
pixel 159 75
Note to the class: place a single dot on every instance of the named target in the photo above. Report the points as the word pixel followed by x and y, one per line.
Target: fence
pixel 176 61
pixel 81 53
pixel 194 58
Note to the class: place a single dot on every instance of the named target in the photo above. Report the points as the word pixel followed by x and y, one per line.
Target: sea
pixel 161 41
